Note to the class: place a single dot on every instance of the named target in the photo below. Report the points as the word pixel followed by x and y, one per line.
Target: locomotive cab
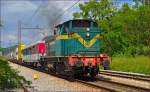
pixel 77 36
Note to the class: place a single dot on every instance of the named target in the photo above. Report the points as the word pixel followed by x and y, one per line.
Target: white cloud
pixel 9 39
pixel 63 5
pixel 14 10
pixel 18 6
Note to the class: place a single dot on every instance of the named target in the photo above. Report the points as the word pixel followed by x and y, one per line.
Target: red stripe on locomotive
pixel 86 60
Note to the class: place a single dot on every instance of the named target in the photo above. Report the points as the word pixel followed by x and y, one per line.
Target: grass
pixel 138 64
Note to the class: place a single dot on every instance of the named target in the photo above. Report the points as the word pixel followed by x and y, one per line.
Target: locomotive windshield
pixel 81 23
pixel 95 24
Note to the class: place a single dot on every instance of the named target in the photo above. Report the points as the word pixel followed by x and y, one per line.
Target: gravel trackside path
pixel 48 83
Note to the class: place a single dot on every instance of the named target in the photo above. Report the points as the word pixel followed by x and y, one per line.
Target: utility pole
pixel 20 28
pixel 0 31
pixel 19 41
pixel 19 32
pixel 0 36
pixel 0 28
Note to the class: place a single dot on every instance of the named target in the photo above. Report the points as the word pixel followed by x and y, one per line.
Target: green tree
pixel 143 27
pixel 101 12
pixel 125 30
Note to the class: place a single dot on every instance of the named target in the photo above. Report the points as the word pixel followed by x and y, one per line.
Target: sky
pixel 34 14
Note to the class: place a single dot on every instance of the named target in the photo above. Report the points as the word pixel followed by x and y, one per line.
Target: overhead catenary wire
pixel 60 15
pixel 36 11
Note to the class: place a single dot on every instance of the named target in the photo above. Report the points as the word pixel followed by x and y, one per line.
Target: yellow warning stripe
pixel 81 40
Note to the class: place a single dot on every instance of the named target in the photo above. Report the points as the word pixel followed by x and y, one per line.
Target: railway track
pixel 108 85
pixel 123 87
pixel 114 86
pixel 135 76
pixel 93 84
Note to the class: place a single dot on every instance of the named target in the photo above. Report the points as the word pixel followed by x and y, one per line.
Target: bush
pixel 9 78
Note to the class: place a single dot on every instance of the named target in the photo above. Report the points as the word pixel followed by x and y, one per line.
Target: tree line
pixel 125 29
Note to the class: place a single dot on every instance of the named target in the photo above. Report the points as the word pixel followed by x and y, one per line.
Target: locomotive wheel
pixel 92 73
pixel 71 75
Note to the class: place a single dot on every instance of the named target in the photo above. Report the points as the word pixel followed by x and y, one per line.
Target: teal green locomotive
pixel 74 49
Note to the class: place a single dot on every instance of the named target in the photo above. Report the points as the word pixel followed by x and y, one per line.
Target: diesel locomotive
pixel 73 50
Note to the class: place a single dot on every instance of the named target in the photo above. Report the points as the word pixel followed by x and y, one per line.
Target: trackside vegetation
pixel 138 64
pixel 9 78
pixel 125 32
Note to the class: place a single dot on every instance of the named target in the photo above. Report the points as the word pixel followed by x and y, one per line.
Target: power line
pixel 38 8
pixel 59 16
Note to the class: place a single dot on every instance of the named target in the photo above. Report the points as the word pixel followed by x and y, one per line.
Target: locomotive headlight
pixel 88 35
pixel 87 29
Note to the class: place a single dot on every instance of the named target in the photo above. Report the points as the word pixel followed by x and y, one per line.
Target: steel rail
pixel 126 75
pixel 96 86
pixel 126 85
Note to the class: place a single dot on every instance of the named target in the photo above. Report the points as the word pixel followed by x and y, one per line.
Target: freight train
pixel 73 50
